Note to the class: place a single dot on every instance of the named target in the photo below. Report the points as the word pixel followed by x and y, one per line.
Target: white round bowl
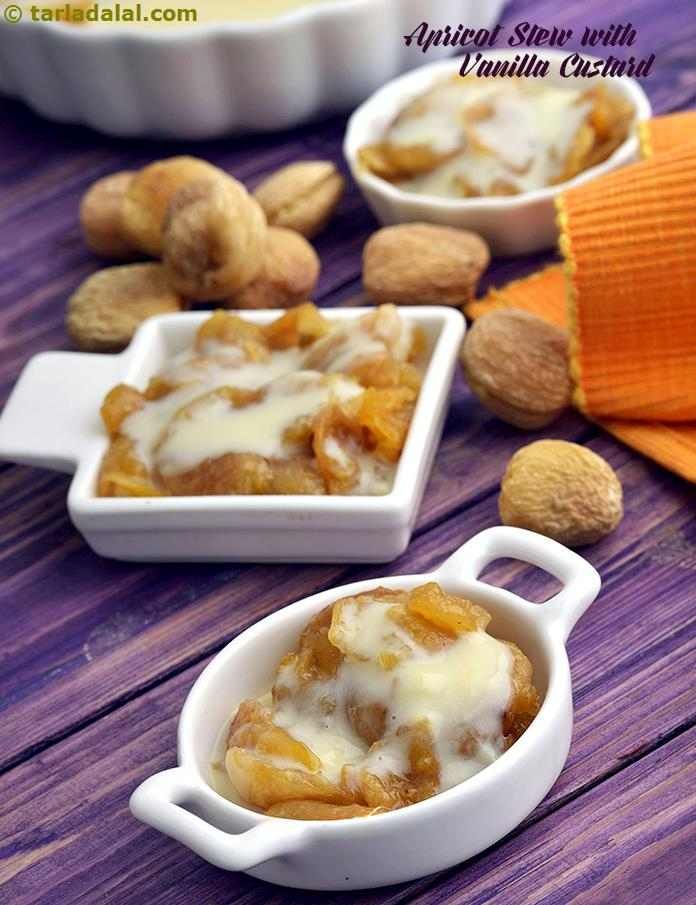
pixel 417 840
pixel 511 225
pixel 213 79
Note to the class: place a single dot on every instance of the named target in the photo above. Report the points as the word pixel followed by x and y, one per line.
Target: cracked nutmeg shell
pixel 517 365
pixel 562 490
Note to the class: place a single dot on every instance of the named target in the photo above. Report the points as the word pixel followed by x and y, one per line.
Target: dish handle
pixel 580 580
pixel 53 410
pixel 158 802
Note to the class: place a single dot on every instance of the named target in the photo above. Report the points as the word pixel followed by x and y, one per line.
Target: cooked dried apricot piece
pixel 397 162
pixel 385 373
pixel 224 327
pixel 421 630
pixel 388 792
pixel 319 810
pixel 424 768
pixel 262 784
pixel 297 327
pixel 316 657
pixel 336 449
pixel 233 473
pixel 343 633
pixel 386 415
pixel 119 403
pixel 524 701
pixel 122 474
pixel 157 388
pixel 367 719
pixel 253 728
pixel 298 475
pixel 455 615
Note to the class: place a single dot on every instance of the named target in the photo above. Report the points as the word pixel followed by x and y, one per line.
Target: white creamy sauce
pixel 523 140
pixel 219 365
pixel 212 426
pixel 463 688
pixel 356 346
pixel 355 341
pixel 335 451
pixel 441 133
pixel 436 121
pixel 223 365
pixel 374 476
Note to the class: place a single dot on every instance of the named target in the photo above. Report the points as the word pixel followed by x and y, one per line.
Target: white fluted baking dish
pixel 417 840
pixel 213 79
pixel 514 224
pixel 52 420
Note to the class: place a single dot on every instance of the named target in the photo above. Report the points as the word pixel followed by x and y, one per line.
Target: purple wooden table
pixel 96 657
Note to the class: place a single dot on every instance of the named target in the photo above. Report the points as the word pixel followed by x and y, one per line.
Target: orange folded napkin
pixel 627 294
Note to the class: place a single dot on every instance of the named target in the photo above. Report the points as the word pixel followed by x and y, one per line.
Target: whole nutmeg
pixel 107 308
pixel 214 239
pixel 289 274
pixel 419 263
pixel 517 365
pixel 301 196
pixel 562 490
pixel 147 198
pixel 101 216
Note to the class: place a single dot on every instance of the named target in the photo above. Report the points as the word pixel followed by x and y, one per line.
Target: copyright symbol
pixel 12 13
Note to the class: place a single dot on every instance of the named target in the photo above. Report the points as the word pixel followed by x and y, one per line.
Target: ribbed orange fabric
pixel 629 295
pixel 663 134
pixel 629 242
pixel 542 293
pixel 672 445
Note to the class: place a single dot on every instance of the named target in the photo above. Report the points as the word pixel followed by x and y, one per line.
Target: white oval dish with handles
pixel 405 844
pixel 218 78
pixel 52 420
pixel 512 224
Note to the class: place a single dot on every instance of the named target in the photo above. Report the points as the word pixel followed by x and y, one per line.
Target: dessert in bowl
pixel 490 154
pixel 194 803
pixel 390 697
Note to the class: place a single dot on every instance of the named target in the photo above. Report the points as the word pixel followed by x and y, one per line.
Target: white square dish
pixel 51 420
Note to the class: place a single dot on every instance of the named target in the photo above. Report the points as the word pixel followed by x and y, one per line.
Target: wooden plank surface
pixel 79 649
pixel 96 656
pixel 78 653
pixel 633 692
